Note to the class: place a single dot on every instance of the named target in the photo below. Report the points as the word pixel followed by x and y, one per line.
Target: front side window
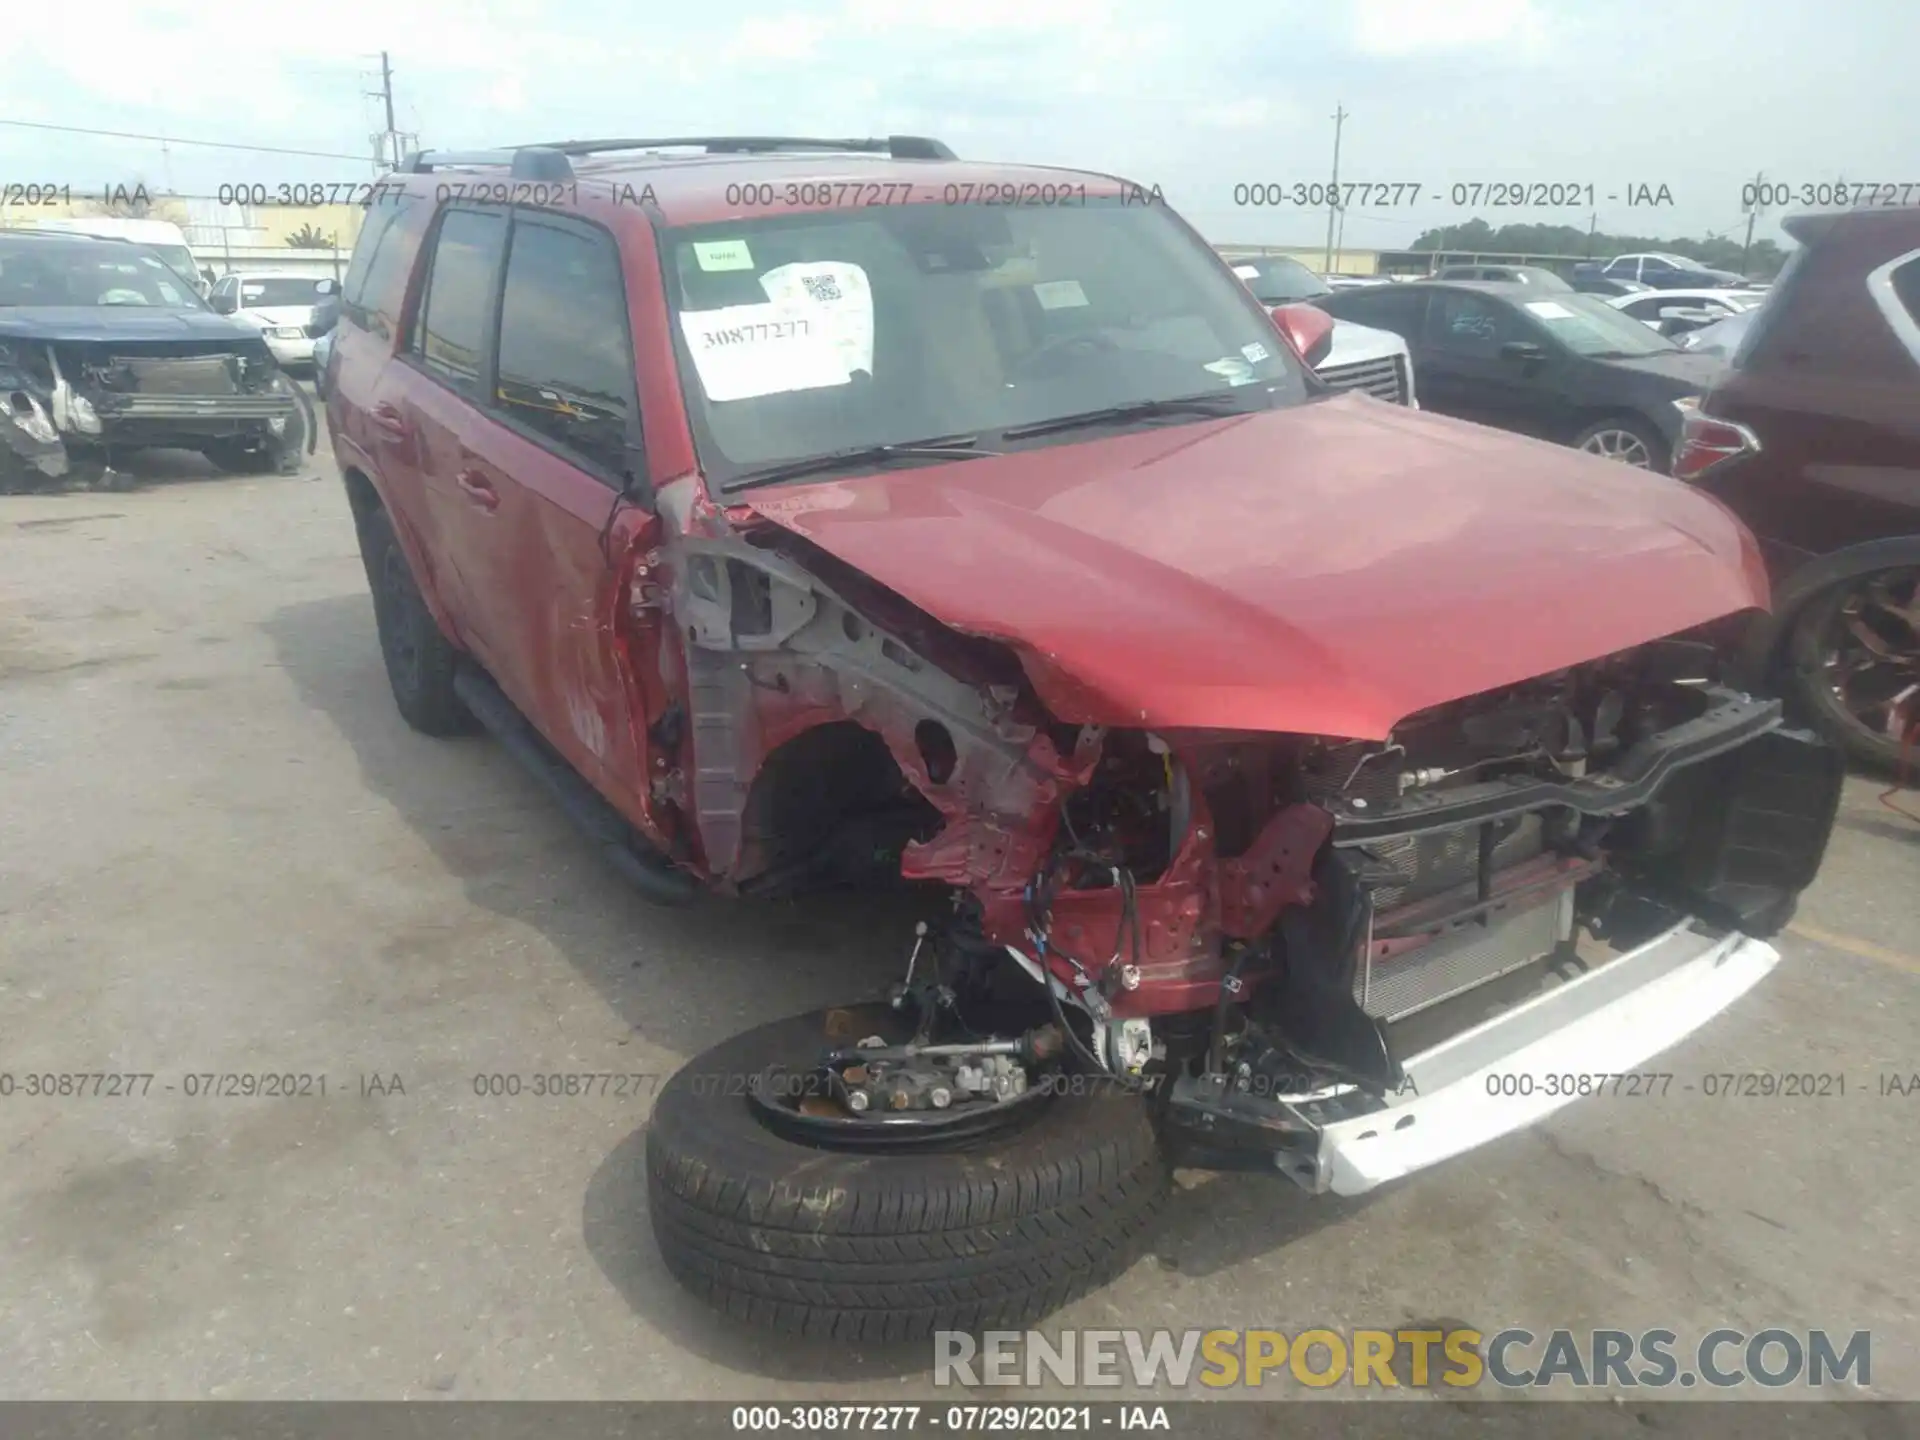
pixel 1468 324
pixel 800 335
pixel 451 332
pixel 566 360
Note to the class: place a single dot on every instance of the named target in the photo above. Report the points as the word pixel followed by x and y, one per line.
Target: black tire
pixel 1659 457
pixel 420 660
pixel 893 1246
pixel 1805 673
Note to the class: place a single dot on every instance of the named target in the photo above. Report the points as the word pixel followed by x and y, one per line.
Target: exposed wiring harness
pixel 1039 902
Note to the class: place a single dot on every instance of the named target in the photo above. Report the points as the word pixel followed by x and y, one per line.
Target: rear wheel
pixel 420 660
pixel 1854 662
pixel 1629 440
pixel 890 1241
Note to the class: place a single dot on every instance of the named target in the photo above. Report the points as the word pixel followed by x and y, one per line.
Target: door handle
pixel 477 488
pixel 389 421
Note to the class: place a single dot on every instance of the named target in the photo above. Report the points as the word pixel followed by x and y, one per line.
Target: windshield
pixel 1280 281
pixel 260 292
pixel 89 273
pixel 798 335
pixel 1588 326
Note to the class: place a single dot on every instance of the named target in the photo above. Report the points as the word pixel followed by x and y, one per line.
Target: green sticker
pixel 722 255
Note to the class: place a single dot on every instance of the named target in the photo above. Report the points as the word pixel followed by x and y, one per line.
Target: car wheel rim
pixel 1871 653
pixel 1621 445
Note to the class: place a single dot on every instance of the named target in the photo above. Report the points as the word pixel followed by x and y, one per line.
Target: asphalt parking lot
pixel 222 851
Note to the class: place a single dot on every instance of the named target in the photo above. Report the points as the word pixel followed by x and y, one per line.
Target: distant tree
pixel 309 238
pixel 1476 235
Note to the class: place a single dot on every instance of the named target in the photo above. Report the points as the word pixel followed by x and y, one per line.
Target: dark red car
pixel 1813 437
pixel 1298 782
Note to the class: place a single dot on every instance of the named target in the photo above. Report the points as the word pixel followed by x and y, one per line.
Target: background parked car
pixel 1361 357
pixel 1564 367
pixel 106 349
pixel 1675 312
pixel 1539 277
pixel 279 304
pixel 1671 272
pixel 1588 280
pixel 1812 436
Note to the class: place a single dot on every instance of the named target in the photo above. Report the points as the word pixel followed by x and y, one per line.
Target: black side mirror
pixel 223 304
pixel 326 287
pixel 1525 351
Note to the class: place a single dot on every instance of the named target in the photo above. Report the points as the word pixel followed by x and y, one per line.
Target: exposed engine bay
pixel 1253 928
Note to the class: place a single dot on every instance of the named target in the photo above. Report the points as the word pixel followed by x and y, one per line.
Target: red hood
pixel 1326 569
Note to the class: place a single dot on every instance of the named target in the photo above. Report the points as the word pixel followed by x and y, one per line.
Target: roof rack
pixel 554 161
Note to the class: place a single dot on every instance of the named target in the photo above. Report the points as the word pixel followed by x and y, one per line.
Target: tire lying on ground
pixel 878 1247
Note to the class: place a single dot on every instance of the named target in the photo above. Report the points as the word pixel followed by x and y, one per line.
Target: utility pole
pixel 1333 200
pixel 1593 223
pixel 389 139
pixel 1753 213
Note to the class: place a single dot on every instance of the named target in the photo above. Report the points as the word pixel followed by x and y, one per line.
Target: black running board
pixel 619 844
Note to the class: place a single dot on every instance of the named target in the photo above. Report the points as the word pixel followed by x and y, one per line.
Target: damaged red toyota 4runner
pixel 1306 784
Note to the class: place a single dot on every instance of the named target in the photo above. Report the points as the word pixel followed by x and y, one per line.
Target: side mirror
pixel 1307 328
pixel 1678 322
pixel 224 304
pixel 326 287
pixel 1525 351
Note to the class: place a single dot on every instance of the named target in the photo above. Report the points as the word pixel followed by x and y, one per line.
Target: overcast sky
pixel 1697 95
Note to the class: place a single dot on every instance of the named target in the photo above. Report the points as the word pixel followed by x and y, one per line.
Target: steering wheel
pixel 1036 360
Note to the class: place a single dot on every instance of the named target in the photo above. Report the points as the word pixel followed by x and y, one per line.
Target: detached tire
pixel 891 1246
pixel 420 660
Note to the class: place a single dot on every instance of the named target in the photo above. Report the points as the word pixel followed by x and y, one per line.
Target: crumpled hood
pixel 118 322
pixel 1326 569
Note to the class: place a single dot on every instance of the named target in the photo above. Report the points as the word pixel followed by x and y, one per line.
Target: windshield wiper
pixel 1211 403
pixel 944 447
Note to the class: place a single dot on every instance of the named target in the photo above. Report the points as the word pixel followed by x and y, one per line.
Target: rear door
pixel 1463 373
pixel 536 472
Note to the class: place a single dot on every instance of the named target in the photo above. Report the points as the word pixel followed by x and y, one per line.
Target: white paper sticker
pixel 1549 310
pixel 1059 294
pixel 838 291
pixel 742 351
pixel 722 255
pixel 1232 369
pixel 1255 353
pixel 1247 272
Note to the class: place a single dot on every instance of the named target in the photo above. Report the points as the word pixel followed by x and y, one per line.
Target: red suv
pixel 1813 437
pixel 1298 782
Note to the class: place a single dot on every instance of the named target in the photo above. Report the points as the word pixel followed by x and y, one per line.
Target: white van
pixel 159 235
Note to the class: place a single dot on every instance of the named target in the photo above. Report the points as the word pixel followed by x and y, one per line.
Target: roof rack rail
pixel 899 147
pixel 526 162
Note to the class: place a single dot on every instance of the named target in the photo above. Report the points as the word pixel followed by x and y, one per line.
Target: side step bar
pixel 619 844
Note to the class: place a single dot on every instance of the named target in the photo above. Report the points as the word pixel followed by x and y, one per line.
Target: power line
pixel 176 140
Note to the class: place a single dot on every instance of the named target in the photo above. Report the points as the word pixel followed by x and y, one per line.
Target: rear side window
pixel 450 336
pixel 566 360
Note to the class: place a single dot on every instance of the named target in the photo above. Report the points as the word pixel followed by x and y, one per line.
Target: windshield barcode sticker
pixel 746 350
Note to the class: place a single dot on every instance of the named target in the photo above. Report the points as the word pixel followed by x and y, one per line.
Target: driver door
pixel 1466 375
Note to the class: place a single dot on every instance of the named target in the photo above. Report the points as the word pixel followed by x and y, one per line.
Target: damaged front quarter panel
pixel 30 447
pixel 772 651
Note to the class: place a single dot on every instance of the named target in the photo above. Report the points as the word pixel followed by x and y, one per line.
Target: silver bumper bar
pixel 1508 1072
pixel 198 407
